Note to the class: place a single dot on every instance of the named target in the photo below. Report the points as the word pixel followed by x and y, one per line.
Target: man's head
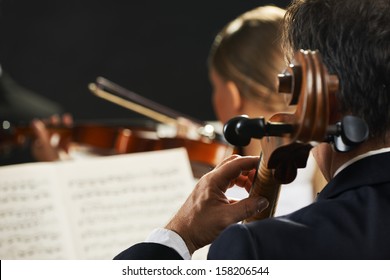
pixel 353 38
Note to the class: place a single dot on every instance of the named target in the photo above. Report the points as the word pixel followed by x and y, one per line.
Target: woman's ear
pixel 235 97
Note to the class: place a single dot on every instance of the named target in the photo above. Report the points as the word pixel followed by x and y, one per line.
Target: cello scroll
pixel 287 138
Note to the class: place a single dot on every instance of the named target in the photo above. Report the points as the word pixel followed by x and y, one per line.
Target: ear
pixel 235 97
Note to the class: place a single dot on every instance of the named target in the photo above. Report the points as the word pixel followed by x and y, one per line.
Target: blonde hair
pixel 248 52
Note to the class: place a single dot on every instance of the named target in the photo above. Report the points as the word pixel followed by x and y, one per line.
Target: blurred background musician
pixel 19 106
pixel 244 62
pixel 57 47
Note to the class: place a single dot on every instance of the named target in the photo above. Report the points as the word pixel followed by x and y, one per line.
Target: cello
pixel 287 138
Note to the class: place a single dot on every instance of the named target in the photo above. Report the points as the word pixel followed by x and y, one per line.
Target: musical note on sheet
pixel 31 221
pixel 92 208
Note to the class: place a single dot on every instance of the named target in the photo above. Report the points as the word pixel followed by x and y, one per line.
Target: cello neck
pixel 266 186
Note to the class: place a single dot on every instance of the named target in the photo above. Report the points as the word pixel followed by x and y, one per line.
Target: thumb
pixel 41 147
pixel 40 131
pixel 248 207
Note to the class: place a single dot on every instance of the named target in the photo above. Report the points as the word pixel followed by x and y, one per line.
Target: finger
pixel 246 181
pixel 231 170
pixel 41 147
pixel 40 131
pixel 247 208
pixel 230 158
pixel 67 119
pixel 55 120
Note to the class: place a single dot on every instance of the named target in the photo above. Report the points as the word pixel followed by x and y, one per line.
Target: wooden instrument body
pixel 287 138
pixel 205 148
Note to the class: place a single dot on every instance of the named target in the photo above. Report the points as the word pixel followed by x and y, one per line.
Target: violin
pixel 203 155
pixel 100 137
pixel 205 147
pixel 287 138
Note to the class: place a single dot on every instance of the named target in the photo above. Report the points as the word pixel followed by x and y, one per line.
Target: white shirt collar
pixel 370 153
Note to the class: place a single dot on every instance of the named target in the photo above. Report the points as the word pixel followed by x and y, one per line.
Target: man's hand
pixel 207 211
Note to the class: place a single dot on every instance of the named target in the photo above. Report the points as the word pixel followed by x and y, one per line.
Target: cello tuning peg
pixel 239 130
pixel 348 133
pixel 232 135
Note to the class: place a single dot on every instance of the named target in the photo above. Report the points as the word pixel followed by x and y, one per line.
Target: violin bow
pixel 114 93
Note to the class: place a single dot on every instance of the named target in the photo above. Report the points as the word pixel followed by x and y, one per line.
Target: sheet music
pixel 32 220
pixel 114 202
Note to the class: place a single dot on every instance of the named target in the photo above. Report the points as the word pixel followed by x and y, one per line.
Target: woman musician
pixel 244 61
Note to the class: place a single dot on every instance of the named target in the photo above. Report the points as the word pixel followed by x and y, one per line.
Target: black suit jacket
pixel 349 220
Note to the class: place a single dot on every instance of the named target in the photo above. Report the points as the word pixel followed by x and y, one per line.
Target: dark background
pixel 155 48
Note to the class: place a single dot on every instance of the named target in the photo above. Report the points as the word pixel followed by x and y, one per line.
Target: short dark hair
pixel 353 38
